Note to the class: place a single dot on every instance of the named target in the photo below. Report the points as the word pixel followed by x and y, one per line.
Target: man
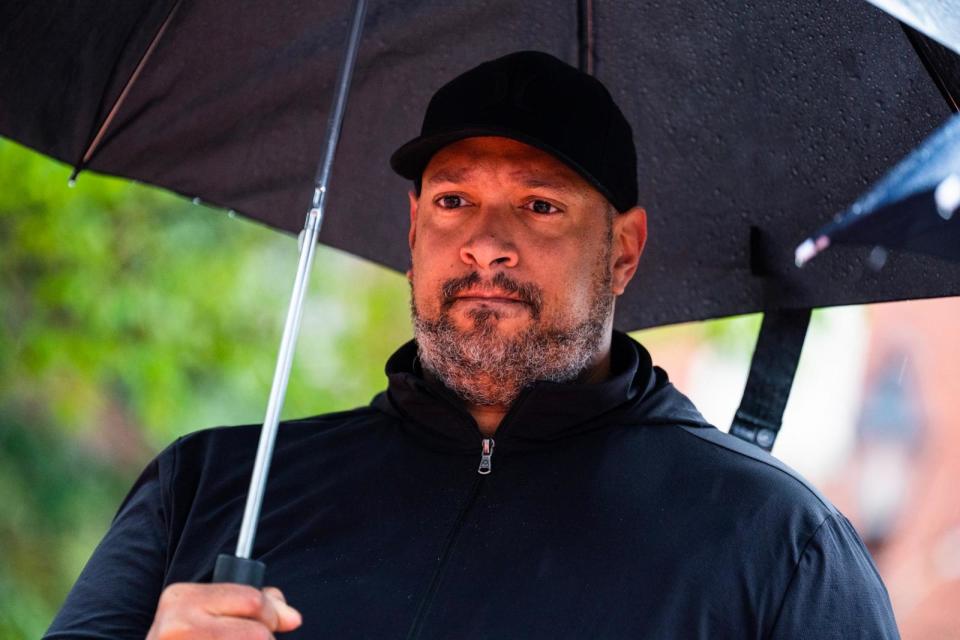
pixel 528 473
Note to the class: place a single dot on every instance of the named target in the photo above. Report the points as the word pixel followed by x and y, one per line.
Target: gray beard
pixel 486 368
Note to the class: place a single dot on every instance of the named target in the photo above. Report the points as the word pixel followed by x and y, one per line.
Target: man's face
pixel 516 263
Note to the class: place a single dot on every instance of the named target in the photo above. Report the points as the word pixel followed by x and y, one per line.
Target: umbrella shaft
pixel 281 376
pixel 291 329
pixel 335 122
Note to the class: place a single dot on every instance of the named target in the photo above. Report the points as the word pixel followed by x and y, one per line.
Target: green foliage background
pixel 128 317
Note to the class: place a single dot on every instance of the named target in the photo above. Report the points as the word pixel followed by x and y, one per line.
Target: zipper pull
pixel 486 455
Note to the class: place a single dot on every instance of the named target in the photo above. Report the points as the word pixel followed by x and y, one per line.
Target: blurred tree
pixel 128 317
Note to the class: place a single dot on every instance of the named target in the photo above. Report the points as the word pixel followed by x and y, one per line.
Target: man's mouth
pixel 500 290
pixel 489 296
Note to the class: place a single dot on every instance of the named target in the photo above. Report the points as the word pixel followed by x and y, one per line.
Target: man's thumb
pixel 288 618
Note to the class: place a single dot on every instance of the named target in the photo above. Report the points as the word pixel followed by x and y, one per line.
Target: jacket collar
pixel 544 413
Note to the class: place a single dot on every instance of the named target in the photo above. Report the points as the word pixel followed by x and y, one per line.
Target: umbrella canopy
pixel 753 123
pixel 913 207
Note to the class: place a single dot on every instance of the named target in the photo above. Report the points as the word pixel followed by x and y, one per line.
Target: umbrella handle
pixel 239 571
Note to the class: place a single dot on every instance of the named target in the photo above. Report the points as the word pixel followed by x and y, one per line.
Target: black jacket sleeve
pixel 116 595
pixel 835 591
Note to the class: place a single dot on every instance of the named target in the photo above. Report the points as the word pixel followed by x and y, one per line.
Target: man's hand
pixel 211 611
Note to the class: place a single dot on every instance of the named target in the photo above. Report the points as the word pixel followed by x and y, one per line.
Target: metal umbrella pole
pixel 240 568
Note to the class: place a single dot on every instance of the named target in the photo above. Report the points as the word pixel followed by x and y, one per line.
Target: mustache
pixel 527 292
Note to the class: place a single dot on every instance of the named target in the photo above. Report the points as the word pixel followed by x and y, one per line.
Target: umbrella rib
pixel 585 35
pixel 925 48
pixel 101 132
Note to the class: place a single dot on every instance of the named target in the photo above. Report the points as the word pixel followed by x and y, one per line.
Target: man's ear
pixel 629 239
pixel 412 234
pixel 414 202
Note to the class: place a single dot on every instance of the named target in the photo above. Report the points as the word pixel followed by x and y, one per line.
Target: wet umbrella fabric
pixel 938 19
pixel 754 124
pixel 914 207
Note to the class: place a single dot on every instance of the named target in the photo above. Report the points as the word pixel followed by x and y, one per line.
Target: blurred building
pixel 902 485
pixel 874 423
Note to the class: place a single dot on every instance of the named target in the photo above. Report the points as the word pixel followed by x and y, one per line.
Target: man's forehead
pixel 517 162
pixel 522 177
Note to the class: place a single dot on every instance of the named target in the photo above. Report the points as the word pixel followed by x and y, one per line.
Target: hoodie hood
pixel 636 393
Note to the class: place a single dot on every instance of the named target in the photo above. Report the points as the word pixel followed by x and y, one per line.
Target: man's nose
pixel 490 244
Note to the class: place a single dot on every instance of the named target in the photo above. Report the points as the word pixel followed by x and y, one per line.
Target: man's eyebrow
pixel 450 175
pixel 532 181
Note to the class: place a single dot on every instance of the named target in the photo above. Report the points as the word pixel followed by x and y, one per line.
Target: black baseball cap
pixel 534 98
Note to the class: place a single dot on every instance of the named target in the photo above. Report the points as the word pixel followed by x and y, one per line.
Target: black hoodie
pixel 611 510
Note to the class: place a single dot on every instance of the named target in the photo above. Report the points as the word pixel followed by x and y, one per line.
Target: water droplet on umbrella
pixel 877 258
pixel 947 196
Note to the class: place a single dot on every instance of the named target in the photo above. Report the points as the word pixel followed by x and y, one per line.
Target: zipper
pixel 486 457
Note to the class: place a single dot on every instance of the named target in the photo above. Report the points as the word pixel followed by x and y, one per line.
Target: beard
pixel 485 367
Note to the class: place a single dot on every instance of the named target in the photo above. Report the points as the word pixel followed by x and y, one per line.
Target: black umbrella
pixel 913 207
pixel 751 121
pixel 754 122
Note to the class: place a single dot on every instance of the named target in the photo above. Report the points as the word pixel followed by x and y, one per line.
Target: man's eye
pixel 541 206
pixel 451 202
